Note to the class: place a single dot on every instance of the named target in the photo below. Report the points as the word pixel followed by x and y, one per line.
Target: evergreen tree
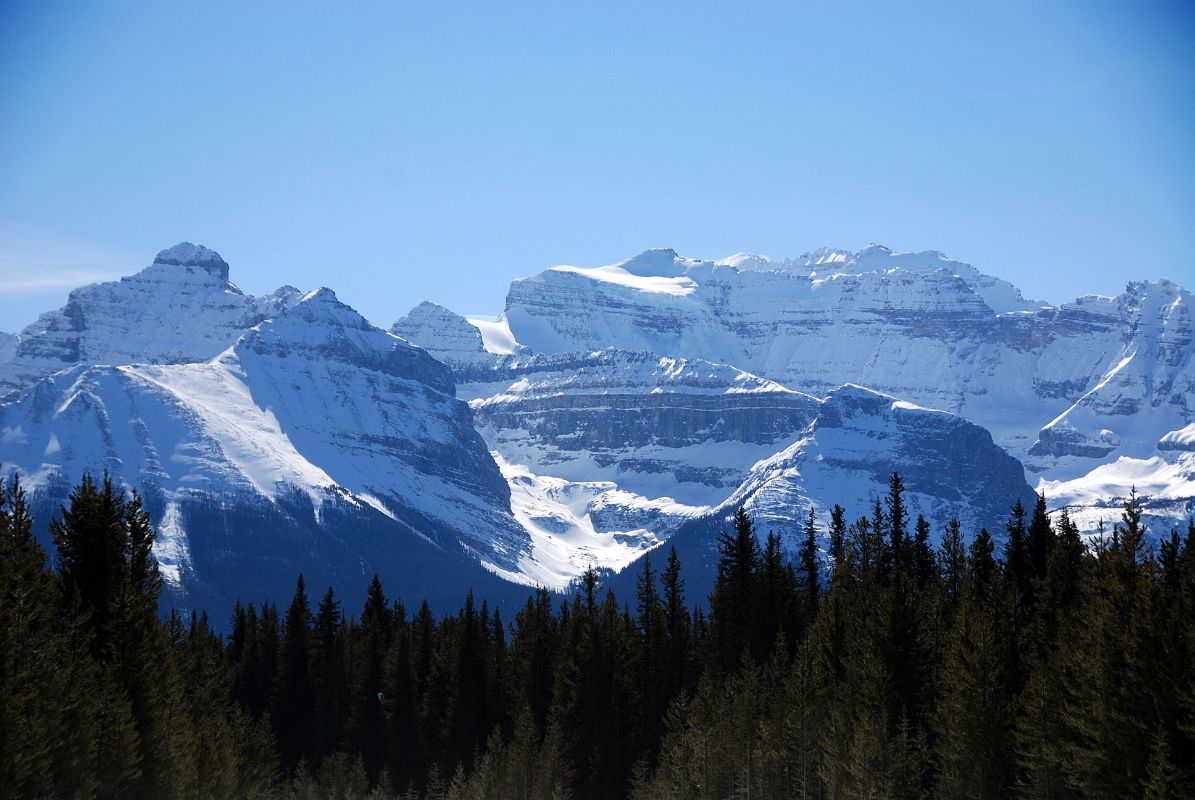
pixel 925 563
pixel 975 714
pixel 401 703
pixel 908 673
pixel 677 626
pixel 732 602
pixel 367 723
pixel 982 563
pixel 954 560
pixel 837 534
pixel 1016 550
pixel 810 572
pixel 89 537
pixel 897 519
pixel 774 599
pixel 294 700
pixel 328 678
pixel 879 544
pixel 1040 544
pixel 469 711
pixel 52 707
pixel 651 683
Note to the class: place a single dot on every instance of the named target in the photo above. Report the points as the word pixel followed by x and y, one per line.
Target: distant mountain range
pixel 602 412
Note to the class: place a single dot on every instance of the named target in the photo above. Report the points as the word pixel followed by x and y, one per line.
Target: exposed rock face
pixel 180 309
pixel 185 254
pixel 613 400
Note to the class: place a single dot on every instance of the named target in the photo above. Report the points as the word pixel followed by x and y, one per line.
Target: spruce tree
pixel 52 709
pixel 732 602
pixel 837 534
pixel 677 627
pixel 810 572
pixel 367 724
pixel 652 660
pixel 925 562
pixel 981 562
pixel 897 519
pixel 90 541
pixel 954 559
pixel 1016 550
pixel 1040 543
pixel 777 607
pixel 328 677
pixel 294 698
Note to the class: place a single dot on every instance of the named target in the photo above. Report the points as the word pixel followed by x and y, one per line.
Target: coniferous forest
pixel 877 666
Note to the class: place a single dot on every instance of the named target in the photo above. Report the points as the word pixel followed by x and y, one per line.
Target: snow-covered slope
pixel 314 424
pixel 180 309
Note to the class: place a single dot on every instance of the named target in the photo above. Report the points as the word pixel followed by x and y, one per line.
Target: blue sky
pixel 399 152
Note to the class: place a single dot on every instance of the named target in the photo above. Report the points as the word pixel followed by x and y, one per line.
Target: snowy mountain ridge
pixel 602 411
pixel 1087 385
pixel 313 425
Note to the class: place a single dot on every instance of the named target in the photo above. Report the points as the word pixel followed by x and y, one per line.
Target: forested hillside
pixel 1028 664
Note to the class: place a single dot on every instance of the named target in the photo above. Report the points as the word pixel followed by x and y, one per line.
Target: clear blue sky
pixel 399 152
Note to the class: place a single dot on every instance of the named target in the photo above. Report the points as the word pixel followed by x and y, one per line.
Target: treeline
pixel 879 667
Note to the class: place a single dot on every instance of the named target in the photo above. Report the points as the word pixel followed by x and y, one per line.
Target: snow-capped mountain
pixel 605 411
pixel 1094 384
pixel 461 343
pixel 316 442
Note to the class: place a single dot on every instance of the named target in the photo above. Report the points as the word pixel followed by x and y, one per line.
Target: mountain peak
pixel 746 261
pixel 321 308
pixel 659 262
pixel 824 255
pixel 850 395
pixel 185 254
pixel 322 295
pixel 321 329
pixel 447 335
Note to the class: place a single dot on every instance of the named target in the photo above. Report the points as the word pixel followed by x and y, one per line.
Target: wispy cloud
pixel 33 261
